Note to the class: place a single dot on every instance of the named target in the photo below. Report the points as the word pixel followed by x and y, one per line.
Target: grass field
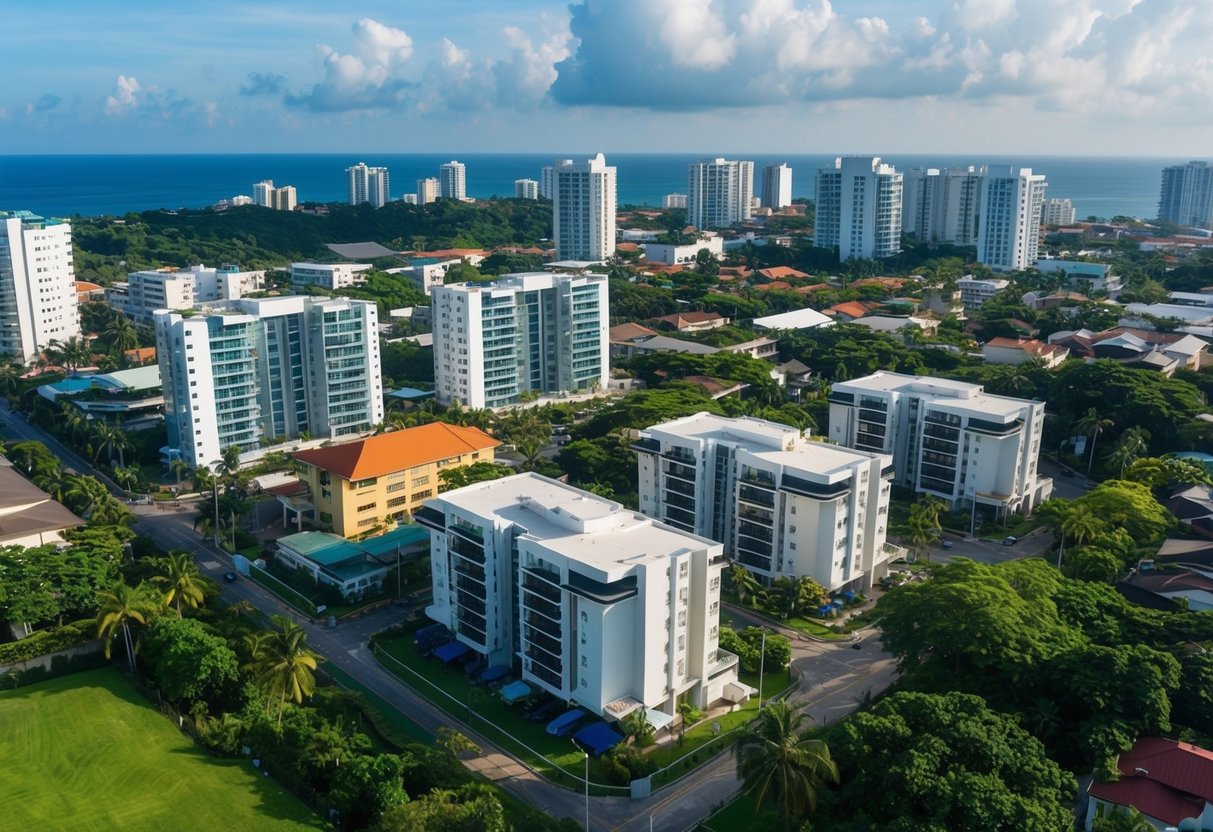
pixel 85 753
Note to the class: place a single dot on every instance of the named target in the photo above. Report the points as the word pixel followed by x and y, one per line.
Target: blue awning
pixel 514 691
pixel 557 726
pixel 450 651
pixel 597 738
pixel 494 672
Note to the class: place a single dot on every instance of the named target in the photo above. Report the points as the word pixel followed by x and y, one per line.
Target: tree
pixel 1091 424
pixel 1131 506
pixel 744 585
pixel 70 354
pixel 1081 525
pixel 188 662
pixel 779 764
pixel 1133 443
pixel 120 606
pixel 283 664
pixel 120 334
pixel 636 726
pixel 110 440
pixel 472 808
pixel 459 476
pixel 1122 820
pixel 182 581
pixel 366 786
pixel 1166 472
pixel 795 594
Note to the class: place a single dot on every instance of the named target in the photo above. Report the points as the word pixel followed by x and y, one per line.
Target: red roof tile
pixel 1162 778
pixel 377 456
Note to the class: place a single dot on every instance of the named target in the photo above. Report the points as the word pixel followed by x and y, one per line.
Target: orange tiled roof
pixel 851 308
pixel 85 286
pixel 629 331
pixel 1030 346
pixel 779 272
pixel 141 353
pixel 377 456
pixel 774 285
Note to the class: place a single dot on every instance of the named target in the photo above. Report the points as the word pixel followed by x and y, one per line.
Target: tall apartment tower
pixel 547 178
pixel 542 332
pixel 1008 234
pixel 719 193
pixel 427 191
pixel 526 189
pixel 263 193
pixel 976 451
pixel 38 302
pixel 252 369
pixel 1186 197
pixel 942 206
pixel 452 180
pixel 1057 212
pixel 284 198
pixel 782 505
pixel 583 209
pixel 589 601
pixel 859 208
pixel 368 184
pixel 776 186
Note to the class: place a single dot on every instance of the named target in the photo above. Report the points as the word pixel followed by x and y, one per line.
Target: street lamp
pixel 215 492
pixel 585 754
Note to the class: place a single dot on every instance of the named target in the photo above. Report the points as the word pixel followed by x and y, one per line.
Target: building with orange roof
pixel 1019 350
pixel 139 356
pixel 773 286
pixel 86 291
pixel 359 486
pixel 850 310
pixel 782 273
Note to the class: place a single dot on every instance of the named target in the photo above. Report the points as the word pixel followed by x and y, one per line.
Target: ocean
pixel 64 186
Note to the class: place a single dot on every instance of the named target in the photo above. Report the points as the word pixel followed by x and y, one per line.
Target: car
pixel 1010 540
pixel 857 645
pixel 945 543
pixel 230 577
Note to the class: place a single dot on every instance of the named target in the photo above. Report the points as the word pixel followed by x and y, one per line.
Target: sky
pixel 1067 77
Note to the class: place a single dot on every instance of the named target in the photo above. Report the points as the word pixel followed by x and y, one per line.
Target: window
pixel 682 569
pixel 367 507
pixel 363 483
pixel 420 481
pixel 682 618
pixel 714 608
pixel 370 521
pixel 396 501
pixel 422 495
pixel 714 583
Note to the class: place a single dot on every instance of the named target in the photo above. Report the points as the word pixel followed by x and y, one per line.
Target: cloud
pixel 365 79
pixel 150 104
pixel 263 83
pixel 124 95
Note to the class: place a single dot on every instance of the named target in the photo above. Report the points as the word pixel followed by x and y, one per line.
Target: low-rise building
pixel 694 321
pixel 592 602
pixel 797 319
pixel 427 273
pixel 1162 351
pixel 356 487
pixel 673 255
pixel 1168 781
pixel 782 504
pixel 329 275
pixel 28 515
pixel 133 397
pixel 355 568
pixel 1090 277
pixel 975 291
pixel 145 292
pixel 1020 350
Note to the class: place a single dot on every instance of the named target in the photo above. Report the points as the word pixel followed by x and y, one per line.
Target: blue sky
pixel 1090 77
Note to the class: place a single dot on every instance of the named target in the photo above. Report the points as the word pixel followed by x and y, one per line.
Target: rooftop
pixel 799 319
pixel 1163 779
pixel 25 509
pixel 961 393
pixel 377 456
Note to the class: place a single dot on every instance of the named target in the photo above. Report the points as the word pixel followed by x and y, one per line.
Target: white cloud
pixel 364 79
pixel 124 95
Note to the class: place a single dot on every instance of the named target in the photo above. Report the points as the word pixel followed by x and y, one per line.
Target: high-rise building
pixel 250 370
pixel 452 180
pixel 583 209
pixel 368 184
pixel 782 504
pixel 38 301
pixel 263 193
pixel 719 193
pixel 526 189
pixel 942 206
pixel 427 191
pixel 537 332
pixel 284 198
pixel 859 208
pixel 547 179
pixel 593 603
pixel 1008 232
pixel 976 451
pixel 776 186
pixel 674 201
pixel 1057 212
pixel 1186 197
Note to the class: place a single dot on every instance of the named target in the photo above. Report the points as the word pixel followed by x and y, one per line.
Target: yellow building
pixel 357 487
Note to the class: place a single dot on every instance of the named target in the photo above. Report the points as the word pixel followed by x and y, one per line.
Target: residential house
pixel 1168 781
pixel 899 324
pixel 694 321
pixel 798 319
pixel 1020 350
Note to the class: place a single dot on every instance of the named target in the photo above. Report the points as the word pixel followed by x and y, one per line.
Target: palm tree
pixel 1081 525
pixel 120 334
pixel 71 354
pixel 1132 444
pixel 182 580
pixel 284 664
pixel 111 439
pixel 228 464
pixel 179 467
pixel 1092 424
pixel 121 605
pixel 745 585
pixel 780 764
pixel 10 375
pixel 83 494
pixel 127 477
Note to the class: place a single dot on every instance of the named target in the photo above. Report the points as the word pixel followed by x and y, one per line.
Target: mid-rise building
pixel 252 371
pixel 452 180
pixel 859 208
pixel 975 451
pixel 240 199
pixel 547 181
pixel 427 191
pixel 329 275
pixel 526 189
pixel 263 193
pixel 1090 277
pixel 1057 212
pixel 381 480
pixel 975 291
pixel 1008 234
pixel 587 600
pixel 674 201
pixel 776 186
pixel 267 196
pixel 368 184
pixel 942 206
pixel 285 198
pixel 1186 197
pixel 38 303
pixel 538 332
pixel 783 505
pixel 583 209
pixel 719 193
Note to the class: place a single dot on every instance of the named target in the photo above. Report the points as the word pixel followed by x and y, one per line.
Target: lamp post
pixel 762 660
pixel 215 493
pixel 585 754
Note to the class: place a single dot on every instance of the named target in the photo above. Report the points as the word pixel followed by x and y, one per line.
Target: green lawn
pixel 85 753
pixel 740 816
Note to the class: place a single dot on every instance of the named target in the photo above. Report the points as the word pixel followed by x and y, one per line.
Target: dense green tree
pixel 188 662
pixel 1130 506
pixel 366 786
pixel 645 408
pixel 458 477
pixel 471 808
pixel 1122 820
pixel 283 664
pixel 181 580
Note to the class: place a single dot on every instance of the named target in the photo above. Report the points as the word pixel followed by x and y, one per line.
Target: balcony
pixel 549 644
pixel 675 469
pixel 539 622
pixel 757 496
pixel 671 498
pixel 470 602
pixel 548 591
pixel 474 572
pixel 680 487
pixel 465 550
pixel 755 515
pixel 893 552
pixel 534 602
pixel 754 476
pixel 550 677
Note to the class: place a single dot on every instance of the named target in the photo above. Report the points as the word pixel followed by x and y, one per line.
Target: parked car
pixel 1010 540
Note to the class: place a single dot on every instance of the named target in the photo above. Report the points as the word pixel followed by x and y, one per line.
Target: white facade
pixel 1057 212
pixel 947 438
pixel 782 504
pixel 145 292
pixel 328 275
pixel 526 189
pixel 719 193
pixel 776 186
pixel 1186 197
pixel 583 209
pixel 38 302
pixel 368 184
pixel 674 201
pixel 453 180
pixel 942 205
pixel 247 370
pixel 426 275
pixel 859 208
pixel 540 331
pixel 547 181
pixel 1008 235
pixel 1093 277
pixel 263 193
pixel 596 604
pixel 976 291
pixel 672 255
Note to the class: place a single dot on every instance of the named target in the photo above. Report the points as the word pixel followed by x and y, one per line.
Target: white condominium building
pixel 1057 212
pixel 427 191
pixel 145 292
pixel 583 209
pixel 674 201
pixel 329 275
pixel 976 451
pixel 859 208
pixel 719 193
pixel 587 600
pixel 975 291
pixel 782 504
pixel 368 184
pixel 526 189
pixel 776 186
pixel 535 332
pixel 942 206
pixel 1008 235
pixel 1186 197
pixel 244 371
pixel 263 193
pixel 547 179
pixel 38 301
pixel 453 180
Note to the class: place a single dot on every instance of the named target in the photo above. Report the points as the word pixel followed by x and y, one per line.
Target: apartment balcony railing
pixel 545 590
pixel 534 602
